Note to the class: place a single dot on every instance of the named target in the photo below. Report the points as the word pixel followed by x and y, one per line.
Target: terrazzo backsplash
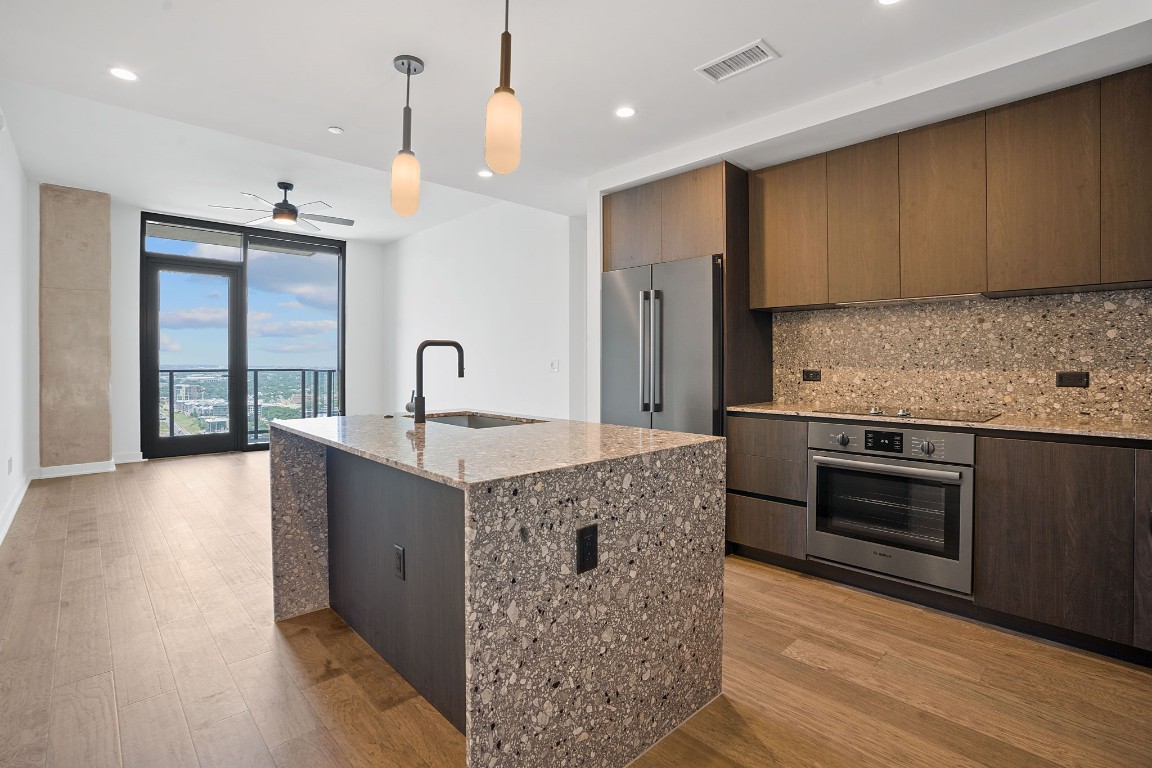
pixel 977 354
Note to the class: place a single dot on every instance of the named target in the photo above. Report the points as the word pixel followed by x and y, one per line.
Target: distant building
pixel 185 392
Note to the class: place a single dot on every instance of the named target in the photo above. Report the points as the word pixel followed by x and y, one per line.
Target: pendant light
pixel 406 168
pixel 502 123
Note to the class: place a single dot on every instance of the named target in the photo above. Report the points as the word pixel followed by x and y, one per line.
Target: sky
pixel 293 305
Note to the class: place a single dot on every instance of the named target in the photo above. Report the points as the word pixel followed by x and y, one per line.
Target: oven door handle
pixel 942 475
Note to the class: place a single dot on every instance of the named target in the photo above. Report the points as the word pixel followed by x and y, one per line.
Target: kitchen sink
pixel 478 421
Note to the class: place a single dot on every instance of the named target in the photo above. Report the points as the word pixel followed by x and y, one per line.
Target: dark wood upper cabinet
pixel 1126 176
pixel 631 227
pixel 788 211
pixel 943 209
pixel 1044 191
pixel 1142 566
pixel 864 221
pixel 1054 534
pixel 692 214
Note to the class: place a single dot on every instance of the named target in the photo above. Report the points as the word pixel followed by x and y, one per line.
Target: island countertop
pixel 460 456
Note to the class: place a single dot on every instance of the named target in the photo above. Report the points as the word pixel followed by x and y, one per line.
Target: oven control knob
pixel 927 448
pixel 842 439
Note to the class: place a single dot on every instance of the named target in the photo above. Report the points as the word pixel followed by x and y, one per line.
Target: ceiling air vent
pixel 742 60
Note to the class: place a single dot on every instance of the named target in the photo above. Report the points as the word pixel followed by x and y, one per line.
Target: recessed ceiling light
pixel 335 129
pixel 484 174
pixel 887 2
pixel 625 111
pixel 123 74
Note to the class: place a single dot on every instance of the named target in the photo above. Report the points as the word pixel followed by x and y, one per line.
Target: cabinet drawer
pixel 769 438
pixel 767 525
pixel 768 477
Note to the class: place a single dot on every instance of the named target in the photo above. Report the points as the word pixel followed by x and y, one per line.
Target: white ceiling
pixel 279 74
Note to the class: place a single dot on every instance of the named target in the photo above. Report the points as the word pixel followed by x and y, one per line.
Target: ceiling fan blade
pixel 300 222
pixel 233 208
pixel 328 219
pixel 257 197
pixel 264 220
pixel 321 203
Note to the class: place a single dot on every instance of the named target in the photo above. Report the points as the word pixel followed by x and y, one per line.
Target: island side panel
pixel 299 475
pixel 590 670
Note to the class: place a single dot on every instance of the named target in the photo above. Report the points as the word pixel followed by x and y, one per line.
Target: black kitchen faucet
pixel 418 400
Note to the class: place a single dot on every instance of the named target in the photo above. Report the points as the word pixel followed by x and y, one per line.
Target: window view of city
pixel 292 334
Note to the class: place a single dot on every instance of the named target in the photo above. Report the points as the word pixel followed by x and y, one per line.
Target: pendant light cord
pixel 506 2
pixel 408 84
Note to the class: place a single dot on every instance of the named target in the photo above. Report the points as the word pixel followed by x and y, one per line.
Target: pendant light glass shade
pixel 406 168
pixel 405 183
pixel 502 123
pixel 502 132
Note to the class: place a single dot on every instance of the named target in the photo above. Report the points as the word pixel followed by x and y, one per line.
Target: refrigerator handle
pixel 657 360
pixel 642 344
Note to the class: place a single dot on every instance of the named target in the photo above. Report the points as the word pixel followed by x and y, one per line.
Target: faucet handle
pixel 411 405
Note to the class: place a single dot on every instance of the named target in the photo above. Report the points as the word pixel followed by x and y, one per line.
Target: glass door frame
pixel 154 446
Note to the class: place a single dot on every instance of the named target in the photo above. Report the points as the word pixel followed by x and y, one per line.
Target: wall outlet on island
pixel 398 561
pixel 1072 379
pixel 811 374
pixel 587 548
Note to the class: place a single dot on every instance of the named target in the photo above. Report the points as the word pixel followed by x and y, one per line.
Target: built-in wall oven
pixel 894 501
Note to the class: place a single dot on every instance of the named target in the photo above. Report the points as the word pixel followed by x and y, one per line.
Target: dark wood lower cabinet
pixel 1054 534
pixel 767 525
pixel 416 623
pixel 1142 567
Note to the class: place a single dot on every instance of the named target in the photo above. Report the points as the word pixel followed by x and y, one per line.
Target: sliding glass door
pixel 238 327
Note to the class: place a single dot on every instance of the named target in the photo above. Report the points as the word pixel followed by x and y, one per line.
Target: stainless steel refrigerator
pixel 662 346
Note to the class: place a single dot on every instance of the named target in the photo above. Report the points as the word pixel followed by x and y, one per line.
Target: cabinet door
pixel 1142 629
pixel 631 227
pixel 788 224
pixel 692 214
pixel 767 525
pixel 943 209
pixel 1126 176
pixel 1054 534
pixel 864 221
pixel 768 457
pixel 1044 191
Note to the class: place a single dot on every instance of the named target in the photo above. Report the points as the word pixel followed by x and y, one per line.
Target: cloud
pixel 291 304
pixel 214 251
pixel 254 317
pixel 198 317
pixel 214 295
pixel 291 328
pixel 299 347
pixel 169 344
pixel 311 281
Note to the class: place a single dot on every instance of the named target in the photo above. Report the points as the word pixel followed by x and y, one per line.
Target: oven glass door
pixel 917 513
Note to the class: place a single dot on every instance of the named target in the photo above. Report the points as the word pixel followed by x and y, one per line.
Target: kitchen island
pixel 453 551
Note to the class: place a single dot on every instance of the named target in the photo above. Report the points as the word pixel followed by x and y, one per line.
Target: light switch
pixel 554 366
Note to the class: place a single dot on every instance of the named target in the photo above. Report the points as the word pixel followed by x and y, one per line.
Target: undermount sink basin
pixel 477 421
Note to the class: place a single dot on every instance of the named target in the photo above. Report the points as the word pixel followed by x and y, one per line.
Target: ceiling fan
pixel 287 214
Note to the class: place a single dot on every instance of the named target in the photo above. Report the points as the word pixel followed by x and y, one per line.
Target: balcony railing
pixel 196 400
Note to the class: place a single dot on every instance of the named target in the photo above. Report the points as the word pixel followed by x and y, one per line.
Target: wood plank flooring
pixel 136 630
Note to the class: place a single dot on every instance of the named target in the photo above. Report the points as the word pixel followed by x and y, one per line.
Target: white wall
pixel 498 282
pixel 13 331
pixel 368 346
pixel 125 333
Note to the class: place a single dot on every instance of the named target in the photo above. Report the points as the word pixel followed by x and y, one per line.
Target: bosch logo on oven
pixel 882 554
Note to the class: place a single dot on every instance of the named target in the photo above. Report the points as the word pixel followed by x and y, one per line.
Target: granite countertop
pixel 1008 422
pixel 460 456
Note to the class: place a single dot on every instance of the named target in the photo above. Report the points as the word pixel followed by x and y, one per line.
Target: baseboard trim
pixel 128 458
pixel 70 470
pixel 8 514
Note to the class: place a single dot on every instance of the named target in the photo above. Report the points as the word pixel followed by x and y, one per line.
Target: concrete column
pixel 75 328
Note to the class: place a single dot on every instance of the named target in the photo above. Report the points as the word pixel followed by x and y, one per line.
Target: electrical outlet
pixel 587 548
pixel 1072 379
pixel 554 366
pixel 9 465
pixel 398 561
pixel 811 374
